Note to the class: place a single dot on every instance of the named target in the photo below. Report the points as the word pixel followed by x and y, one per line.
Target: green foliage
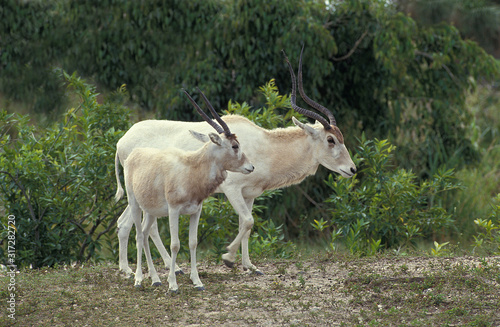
pixel 439 249
pixel 482 180
pixel 477 20
pixel 268 241
pixel 488 237
pixel 268 116
pixel 320 225
pixel 31 38
pixel 57 182
pixel 152 46
pixel 381 207
pixel 399 77
pixel 250 35
pixel 438 111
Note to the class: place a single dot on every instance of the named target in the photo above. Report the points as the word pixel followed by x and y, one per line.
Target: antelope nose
pixel 353 170
pixel 250 169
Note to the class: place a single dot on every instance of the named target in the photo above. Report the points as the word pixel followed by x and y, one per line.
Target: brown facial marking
pixel 336 131
pixel 234 142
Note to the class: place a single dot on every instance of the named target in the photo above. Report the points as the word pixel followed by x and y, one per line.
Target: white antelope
pixel 282 157
pixel 172 182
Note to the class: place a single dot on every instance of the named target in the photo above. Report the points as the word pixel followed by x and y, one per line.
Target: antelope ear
pixel 200 137
pixel 308 129
pixel 215 139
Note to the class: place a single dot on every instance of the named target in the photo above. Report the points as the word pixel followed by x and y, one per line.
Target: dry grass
pixel 324 290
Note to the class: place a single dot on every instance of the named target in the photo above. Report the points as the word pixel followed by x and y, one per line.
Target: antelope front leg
pixel 244 209
pixel 174 249
pixel 193 242
pixel 245 257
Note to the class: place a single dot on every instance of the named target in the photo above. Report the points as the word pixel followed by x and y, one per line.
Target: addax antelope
pixel 282 157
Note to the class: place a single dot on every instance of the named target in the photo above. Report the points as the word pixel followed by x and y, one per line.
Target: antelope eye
pixel 331 140
pixel 235 146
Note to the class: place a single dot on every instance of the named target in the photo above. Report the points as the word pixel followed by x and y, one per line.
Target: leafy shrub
pixel 488 238
pixel 482 179
pixel 58 181
pixel 382 207
pixel 268 241
pixel 439 249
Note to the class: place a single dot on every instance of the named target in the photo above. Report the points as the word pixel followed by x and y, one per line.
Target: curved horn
pixel 293 97
pixel 214 113
pixel 310 102
pixel 203 114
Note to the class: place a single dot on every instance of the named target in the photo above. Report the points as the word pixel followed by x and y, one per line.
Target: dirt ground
pixel 323 290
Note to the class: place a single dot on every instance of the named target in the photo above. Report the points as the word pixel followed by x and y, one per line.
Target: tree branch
pixel 111 224
pixel 317 205
pixel 77 224
pixel 353 48
pixel 429 56
pixel 23 191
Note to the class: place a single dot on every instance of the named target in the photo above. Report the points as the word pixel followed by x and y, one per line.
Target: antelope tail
pixel 119 191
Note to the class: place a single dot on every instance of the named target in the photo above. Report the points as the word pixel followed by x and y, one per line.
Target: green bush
pixel 481 180
pixel 488 237
pixel 383 207
pixel 58 181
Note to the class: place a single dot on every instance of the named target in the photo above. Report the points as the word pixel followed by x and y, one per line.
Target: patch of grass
pixel 344 290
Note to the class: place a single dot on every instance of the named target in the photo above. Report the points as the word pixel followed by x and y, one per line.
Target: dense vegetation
pixel 405 95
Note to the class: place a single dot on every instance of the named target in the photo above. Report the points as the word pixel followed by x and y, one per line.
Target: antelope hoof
pixel 139 287
pixel 254 271
pixel 156 284
pixel 228 263
pixel 127 274
pixel 174 291
pixel 200 288
pixel 179 272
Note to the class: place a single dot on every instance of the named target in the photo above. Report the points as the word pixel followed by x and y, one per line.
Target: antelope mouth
pixel 346 173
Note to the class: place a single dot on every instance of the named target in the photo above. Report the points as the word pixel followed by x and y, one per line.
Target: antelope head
pixel 227 145
pixel 327 140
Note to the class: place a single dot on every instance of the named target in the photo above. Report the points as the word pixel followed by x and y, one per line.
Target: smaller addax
pixel 172 182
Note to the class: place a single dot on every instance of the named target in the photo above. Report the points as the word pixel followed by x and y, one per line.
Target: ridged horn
pixel 214 113
pixel 218 128
pixel 293 98
pixel 310 102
